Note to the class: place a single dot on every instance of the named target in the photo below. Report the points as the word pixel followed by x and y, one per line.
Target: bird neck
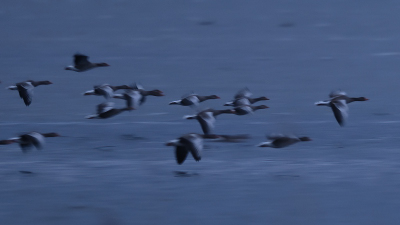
pixel 218 112
pixel 100 64
pixel 50 135
pixel 37 83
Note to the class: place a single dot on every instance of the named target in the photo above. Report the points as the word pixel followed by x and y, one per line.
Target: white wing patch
pixel 38 137
pixel 209 118
pixel 197 142
pixel 107 91
pixel 194 99
pixel 342 106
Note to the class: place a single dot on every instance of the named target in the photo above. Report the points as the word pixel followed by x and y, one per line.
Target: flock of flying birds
pixel 135 95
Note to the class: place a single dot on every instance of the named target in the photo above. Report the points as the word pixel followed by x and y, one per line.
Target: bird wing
pixel 104 107
pixel 190 100
pixel 25 147
pixel 142 99
pixel 137 86
pixel 27 141
pixel 25 90
pixel 37 140
pixel 206 120
pixel 188 94
pixel 340 110
pixel 180 154
pixel 104 90
pixel 135 98
pixel 81 60
pixel 241 101
pixel 245 92
pixel 336 93
pixel 193 143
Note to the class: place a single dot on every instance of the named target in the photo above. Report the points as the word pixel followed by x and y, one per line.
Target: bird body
pixel 281 141
pixel 193 100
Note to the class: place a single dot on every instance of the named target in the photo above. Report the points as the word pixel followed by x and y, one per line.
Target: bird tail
pixel 94 116
pixel 326 103
pixel 264 144
pixel 12 87
pixel 228 104
pixel 190 117
pixel 175 102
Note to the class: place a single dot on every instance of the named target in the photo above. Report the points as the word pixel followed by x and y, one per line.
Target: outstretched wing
pixel 81 60
pixel 336 93
pixel 180 154
pixel 194 144
pixel 25 90
pixel 37 140
pixel 25 142
pixel 133 98
pixel 340 110
pixel 190 100
pixel 243 93
pixel 241 101
pixel 142 99
pixel 104 107
pixel 206 120
pixel 104 90
pixel 137 86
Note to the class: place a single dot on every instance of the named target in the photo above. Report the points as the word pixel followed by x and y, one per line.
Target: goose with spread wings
pixel 338 103
pixel 206 118
pixel 29 140
pixel 81 63
pixel 243 97
pixel 106 90
pixel 192 143
pixel 137 95
pixel 25 89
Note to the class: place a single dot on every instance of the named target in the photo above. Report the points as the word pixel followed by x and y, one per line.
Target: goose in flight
pixel 81 63
pixel 280 140
pixel 29 140
pixel 338 102
pixel 192 143
pixel 25 89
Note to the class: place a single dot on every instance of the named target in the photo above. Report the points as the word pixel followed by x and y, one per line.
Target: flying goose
pixel 25 89
pixel 338 103
pixel 81 63
pixel 280 140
